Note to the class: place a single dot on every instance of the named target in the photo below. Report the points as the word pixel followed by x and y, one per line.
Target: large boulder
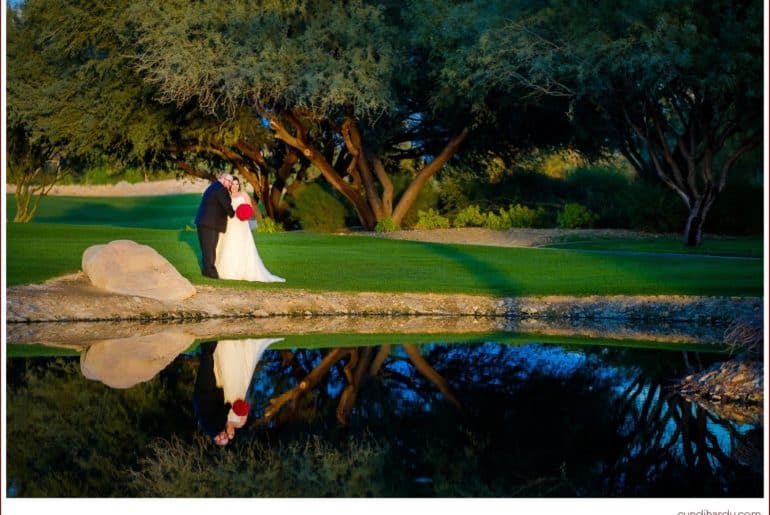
pixel 128 268
pixel 124 362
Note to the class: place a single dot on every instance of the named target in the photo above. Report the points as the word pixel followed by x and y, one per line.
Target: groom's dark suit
pixel 208 398
pixel 211 220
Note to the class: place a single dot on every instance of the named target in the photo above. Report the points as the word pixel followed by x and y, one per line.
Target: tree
pixel 34 168
pixel 353 89
pixel 675 86
pixel 34 164
pixel 280 91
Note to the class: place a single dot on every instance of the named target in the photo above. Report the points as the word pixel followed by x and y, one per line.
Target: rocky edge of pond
pixel 74 298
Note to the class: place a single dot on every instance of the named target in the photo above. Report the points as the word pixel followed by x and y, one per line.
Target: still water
pixel 474 418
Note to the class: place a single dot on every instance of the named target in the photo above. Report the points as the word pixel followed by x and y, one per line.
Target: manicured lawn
pixel 750 246
pixel 163 212
pixel 39 251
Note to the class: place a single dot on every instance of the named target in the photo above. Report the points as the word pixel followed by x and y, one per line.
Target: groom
pixel 211 220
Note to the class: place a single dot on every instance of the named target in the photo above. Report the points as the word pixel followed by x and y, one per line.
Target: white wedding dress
pixel 237 256
pixel 235 362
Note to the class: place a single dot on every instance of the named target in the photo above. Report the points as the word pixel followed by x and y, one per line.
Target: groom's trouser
pixel 207 239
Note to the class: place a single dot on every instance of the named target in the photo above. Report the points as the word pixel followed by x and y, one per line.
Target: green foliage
pixel 499 221
pixel 470 216
pixel 606 191
pixel 574 216
pixel 386 225
pixel 431 219
pixel 523 216
pixel 268 226
pixel 515 216
pixel 317 210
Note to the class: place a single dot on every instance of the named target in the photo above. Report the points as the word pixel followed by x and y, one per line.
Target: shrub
pixel 431 219
pixel 498 221
pixel 470 216
pixel 317 210
pixel 522 216
pixel 268 226
pixel 574 216
pixel 386 225
pixel 603 190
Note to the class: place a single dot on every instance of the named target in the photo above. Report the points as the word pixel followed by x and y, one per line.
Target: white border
pixel 389 506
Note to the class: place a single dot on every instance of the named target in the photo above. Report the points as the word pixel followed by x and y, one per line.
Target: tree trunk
pixel 693 230
pixel 428 171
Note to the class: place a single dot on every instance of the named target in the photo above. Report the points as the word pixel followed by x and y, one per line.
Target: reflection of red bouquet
pixel 244 212
pixel 241 408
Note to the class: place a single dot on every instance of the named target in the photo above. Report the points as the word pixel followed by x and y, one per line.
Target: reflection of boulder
pixel 128 268
pixel 124 362
pixel 734 390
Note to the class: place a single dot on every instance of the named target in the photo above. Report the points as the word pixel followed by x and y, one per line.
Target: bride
pixel 236 254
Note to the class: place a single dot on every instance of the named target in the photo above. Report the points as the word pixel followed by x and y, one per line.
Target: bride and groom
pixel 222 385
pixel 227 245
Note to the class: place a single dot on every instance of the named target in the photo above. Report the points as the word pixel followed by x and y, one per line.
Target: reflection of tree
pixel 671 447
pixel 361 363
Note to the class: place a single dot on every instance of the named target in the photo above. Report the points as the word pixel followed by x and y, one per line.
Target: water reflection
pixel 124 362
pixel 481 419
pixel 221 385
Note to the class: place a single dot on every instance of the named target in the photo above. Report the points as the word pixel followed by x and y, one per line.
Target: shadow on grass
pixel 190 238
pixel 165 212
pixel 494 279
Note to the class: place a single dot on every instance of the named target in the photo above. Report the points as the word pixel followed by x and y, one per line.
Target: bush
pixel 574 216
pixel 498 222
pixel 431 219
pixel 386 225
pixel 268 226
pixel 470 216
pixel 603 190
pixel 522 216
pixel 317 210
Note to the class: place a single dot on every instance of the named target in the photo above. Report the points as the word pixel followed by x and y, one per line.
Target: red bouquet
pixel 241 408
pixel 244 212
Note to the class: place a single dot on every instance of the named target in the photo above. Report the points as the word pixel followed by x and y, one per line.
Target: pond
pixel 352 415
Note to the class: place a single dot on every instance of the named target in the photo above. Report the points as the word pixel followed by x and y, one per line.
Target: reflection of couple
pixel 233 255
pixel 221 387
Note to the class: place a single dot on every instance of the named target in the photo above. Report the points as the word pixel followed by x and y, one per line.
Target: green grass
pixel 163 212
pixel 39 251
pixel 65 226
pixel 752 246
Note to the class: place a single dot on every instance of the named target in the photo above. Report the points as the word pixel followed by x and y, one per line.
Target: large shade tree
pixel 676 86
pixel 350 90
